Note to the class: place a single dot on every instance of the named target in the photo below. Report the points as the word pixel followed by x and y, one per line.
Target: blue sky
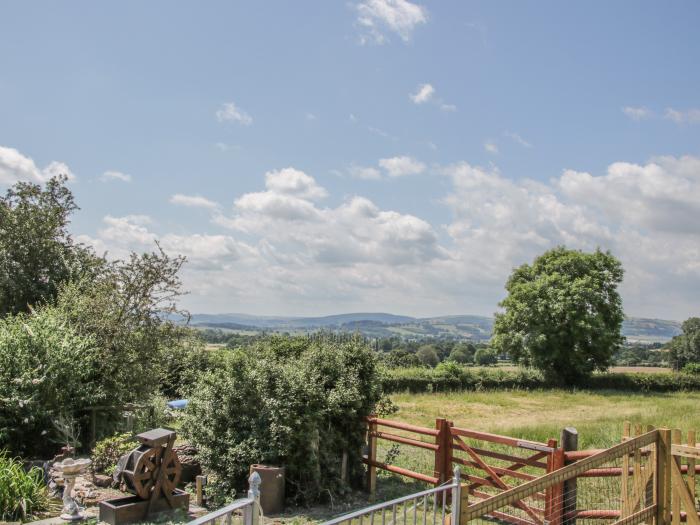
pixel 415 152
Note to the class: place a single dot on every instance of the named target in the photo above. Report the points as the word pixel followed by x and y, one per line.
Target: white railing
pixel 246 509
pixel 412 509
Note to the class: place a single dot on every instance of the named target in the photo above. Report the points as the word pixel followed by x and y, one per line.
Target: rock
pixel 191 468
pixel 101 480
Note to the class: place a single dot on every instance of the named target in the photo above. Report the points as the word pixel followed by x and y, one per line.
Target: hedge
pixel 455 378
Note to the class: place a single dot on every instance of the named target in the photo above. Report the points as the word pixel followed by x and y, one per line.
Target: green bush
pixel 47 372
pixel 22 493
pixel 287 401
pixel 108 451
pixel 692 369
pixel 450 377
pixel 485 357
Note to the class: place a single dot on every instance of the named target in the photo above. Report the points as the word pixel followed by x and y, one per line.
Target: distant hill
pixel 472 327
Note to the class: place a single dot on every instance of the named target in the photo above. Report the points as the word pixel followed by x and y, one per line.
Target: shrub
pixel 286 401
pixel 47 372
pixel 22 493
pixel 485 357
pixel 443 379
pixel 692 368
pixel 107 452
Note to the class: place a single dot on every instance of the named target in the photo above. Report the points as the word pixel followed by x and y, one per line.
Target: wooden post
pixel 372 457
pixel 569 443
pixel 554 495
pixel 625 496
pixel 93 428
pixel 200 481
pixel 663 477
pixel 676 438
pixel 691 462
pixel 443 454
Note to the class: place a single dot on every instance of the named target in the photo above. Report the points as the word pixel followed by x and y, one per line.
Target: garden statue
pixel 70 469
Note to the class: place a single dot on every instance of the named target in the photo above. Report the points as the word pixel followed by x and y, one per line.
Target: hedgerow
pixel 294 402
pixel 455 378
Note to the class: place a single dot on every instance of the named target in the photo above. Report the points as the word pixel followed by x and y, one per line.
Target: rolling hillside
pixel 473 327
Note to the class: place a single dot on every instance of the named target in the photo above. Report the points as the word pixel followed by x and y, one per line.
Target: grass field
pixel 538 415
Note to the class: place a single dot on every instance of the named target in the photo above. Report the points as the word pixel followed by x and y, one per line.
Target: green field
pixel 532 415
pixel 538 415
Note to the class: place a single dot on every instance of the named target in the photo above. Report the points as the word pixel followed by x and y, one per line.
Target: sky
pixel 311 158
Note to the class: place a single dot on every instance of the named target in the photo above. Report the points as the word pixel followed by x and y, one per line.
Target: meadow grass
pixel 539 415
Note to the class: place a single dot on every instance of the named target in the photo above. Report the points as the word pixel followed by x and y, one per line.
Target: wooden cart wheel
pixel 145 473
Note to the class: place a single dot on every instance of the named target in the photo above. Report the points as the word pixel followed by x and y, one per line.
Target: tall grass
pixel 22 493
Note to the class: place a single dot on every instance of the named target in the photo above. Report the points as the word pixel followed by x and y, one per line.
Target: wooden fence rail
pixel 662 475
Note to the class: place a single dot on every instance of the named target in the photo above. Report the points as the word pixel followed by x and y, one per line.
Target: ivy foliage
pixel 287 401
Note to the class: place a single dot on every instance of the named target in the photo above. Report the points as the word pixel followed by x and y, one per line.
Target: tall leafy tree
pixel 685 348
pixel 37 253
pixel 563 314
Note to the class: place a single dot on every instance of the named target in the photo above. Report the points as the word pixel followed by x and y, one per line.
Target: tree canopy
pixel 685 348
pixel 37 253
pixel 563 314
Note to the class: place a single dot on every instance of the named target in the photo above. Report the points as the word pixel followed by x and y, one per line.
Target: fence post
pixel 372 457
pixel 663 477
pixel 456 497
pixel 554 494
pixel 250 514
pixel 569 443
pixel 200 481
pixel 676 437
pixel 443 454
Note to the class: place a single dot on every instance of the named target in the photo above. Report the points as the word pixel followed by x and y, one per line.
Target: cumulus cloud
pixel 193 201
pixel 229 112
pixel 426 93
pixel 423 94
pixel 400 166
pixel 637 113
pixel 365 172
pixel 644 213
pixel 377 17
pixel 284 250
pixel 517 139
pixel 14 167
pixel 689 116
pixel 108 176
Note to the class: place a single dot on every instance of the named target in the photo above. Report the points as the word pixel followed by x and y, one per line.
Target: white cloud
pixel 283 251
pixel 108 176
pixel 290 181
pixel 193 201
pixel 426 93
pixel 364 172
pixel 491 147
pixel 232 113
pixel 376 17
pixel 690 116
pixel 518 139
pixel 637 113
pixel 645 214
pixel 16 167
pixel 423 94
pixel 400 166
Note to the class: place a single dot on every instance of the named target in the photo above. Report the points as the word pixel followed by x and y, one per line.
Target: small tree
pixel 485 357
pixel 427 355
pixel 685 348
pixel 461 354
pixel 37 253
pixel 563 314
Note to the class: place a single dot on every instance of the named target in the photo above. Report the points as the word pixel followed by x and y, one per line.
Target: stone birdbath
pixel 71 469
